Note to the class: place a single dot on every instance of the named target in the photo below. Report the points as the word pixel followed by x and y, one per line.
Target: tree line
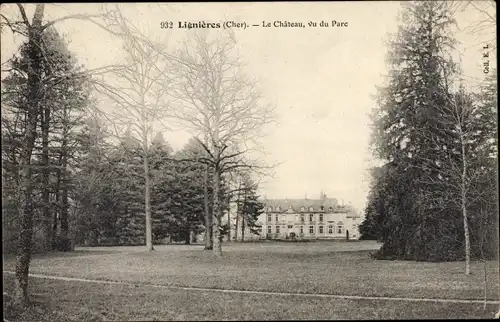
pixel 75 172
pixel 434 197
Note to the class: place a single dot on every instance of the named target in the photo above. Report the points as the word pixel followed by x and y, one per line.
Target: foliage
pixel 436 145
pixel 178 196
pixel 65 96
pixel 111 181
pixel 251 208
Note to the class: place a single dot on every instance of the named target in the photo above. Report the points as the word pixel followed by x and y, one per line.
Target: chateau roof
pixel 297 204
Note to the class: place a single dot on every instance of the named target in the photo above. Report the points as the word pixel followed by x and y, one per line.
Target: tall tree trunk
pixel 147 184
pixel 237 211
pixel 217 248
pixel 55 217
pixel 26 216
pixel 209 245
pixel 243 228
pixel 467 239
pixel 64 240
pixel 237 225
pixel 464 208
pixel 229 224
pixel 64 236
pixel 237 217
pixel 47 215
pixel 149 224
pixel 243 216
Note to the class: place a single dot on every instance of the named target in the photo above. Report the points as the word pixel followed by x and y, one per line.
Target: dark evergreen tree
pixel 65 94
pixel 129 178
pixel 96 188
pixel 429 202
pixel 372 226
pixel 407 131
pixel 248 206
pixel 185 194
pixel 161 171
pixel 252 208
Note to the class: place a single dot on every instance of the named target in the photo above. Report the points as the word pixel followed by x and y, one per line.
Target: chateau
pixel 306 218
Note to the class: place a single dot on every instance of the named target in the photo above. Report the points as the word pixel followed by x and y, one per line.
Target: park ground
pixel 265 269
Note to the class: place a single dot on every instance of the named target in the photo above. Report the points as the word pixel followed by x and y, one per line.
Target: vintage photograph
pixel 249 161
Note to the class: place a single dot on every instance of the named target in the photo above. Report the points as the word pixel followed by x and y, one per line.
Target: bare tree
pixel 220 104
pixel 139 95
pixel 209 244
pixel 484 21
pixel 463 168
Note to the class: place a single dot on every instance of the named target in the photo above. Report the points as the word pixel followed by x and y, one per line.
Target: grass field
pixel 314 268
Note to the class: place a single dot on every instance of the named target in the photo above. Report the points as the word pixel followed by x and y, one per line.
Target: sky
pixel 320 79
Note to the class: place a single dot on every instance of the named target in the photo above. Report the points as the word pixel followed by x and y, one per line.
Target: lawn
pixel 316 267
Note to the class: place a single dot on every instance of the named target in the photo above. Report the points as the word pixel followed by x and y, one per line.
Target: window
pixel 302 209
pixel 278 208
pixel 311 230
pixel 269 229
pixel 277 218
pixel 330 229
pixel 320 217
pixel 290 226
pixel 340 227
pixel 322 208
pixel 320 229
pixel 277 229
pixel 311 209
pixel 301 229
pixel 270 209
pixel 269 218
pixel 311 217
pixel 301 218
pixel 331 208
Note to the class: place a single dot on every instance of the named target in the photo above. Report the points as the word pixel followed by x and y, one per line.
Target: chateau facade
pixel 305 218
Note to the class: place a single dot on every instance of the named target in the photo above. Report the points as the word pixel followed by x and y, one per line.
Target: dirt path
pixel 200 289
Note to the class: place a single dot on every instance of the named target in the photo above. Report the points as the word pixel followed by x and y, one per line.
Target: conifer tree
pixel 405 125
pixel 249 207
pixel 65 95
